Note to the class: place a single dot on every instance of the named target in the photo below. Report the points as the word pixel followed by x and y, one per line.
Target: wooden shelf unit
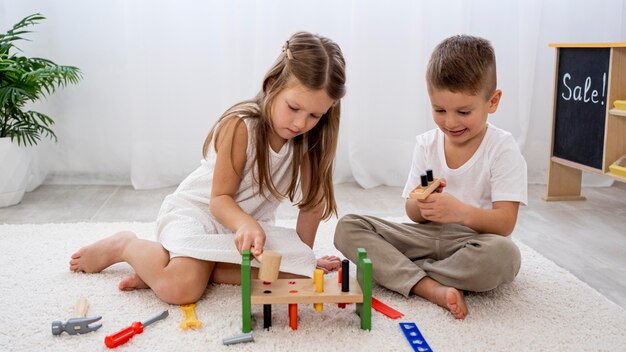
pixel 565 176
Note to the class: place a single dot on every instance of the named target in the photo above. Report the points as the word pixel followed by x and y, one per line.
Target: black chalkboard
pixel 581 102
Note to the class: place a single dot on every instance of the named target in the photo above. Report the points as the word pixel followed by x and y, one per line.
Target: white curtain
pixel 157 75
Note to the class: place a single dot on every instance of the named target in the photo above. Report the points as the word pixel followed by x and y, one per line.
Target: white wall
pixel 158 74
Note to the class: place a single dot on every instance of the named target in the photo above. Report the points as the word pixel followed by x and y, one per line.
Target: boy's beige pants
pixel 454 255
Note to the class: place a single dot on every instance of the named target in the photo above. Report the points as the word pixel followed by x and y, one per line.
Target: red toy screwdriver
pixel 125 334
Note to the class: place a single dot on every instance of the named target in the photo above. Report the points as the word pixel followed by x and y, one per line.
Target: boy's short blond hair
pixel 463 63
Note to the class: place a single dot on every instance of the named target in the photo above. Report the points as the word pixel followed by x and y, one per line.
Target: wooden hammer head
pixel 270 265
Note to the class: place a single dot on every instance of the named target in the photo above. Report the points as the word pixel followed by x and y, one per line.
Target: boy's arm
pixel 500 220
pixel 447 209
pixel 413 211
pixel 308 220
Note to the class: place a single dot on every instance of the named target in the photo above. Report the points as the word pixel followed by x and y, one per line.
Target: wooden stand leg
pixel 563 183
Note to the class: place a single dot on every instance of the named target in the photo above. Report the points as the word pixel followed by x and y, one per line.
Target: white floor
pixel 588 238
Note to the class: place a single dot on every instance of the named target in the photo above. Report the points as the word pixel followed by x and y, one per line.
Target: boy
pixel 459 239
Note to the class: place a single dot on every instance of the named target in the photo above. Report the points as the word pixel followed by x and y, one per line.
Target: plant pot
pixel 14 165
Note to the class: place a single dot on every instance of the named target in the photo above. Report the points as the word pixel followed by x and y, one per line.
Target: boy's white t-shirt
pixel 496 171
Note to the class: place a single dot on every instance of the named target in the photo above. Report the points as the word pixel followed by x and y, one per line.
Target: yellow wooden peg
pixel 318 280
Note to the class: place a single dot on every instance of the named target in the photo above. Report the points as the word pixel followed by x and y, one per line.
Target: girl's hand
pixel 329 263
pixel 250 236
pixel 443 208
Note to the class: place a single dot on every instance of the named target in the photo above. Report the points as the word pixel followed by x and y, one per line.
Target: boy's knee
pixel 344 229
pixel 507 258
pixel 512 258
pixel 497 265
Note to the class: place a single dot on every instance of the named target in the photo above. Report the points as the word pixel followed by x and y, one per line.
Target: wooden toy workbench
pixel 314 291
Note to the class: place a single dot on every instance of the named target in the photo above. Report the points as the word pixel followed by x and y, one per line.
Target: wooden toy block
pixel 267 316
pixel 414 337
pixel 385 309
pixel 270 265
pixel 420 192
pixel 246 307
pixel 80 308
pixel 364 277
pixel 293 316
pixel 318 280
pixel 344 274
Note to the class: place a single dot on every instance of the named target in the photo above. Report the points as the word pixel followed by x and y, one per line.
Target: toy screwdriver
pixel 125 334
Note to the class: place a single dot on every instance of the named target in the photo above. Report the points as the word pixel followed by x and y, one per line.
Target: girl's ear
pixel 268 84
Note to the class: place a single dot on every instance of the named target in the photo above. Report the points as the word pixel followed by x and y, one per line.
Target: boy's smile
pixel 462 117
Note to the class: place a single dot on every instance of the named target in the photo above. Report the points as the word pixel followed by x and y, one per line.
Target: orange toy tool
pixel 125 334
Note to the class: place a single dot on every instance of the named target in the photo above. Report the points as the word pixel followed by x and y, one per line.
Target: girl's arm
pixel 232 142
pixel 309 220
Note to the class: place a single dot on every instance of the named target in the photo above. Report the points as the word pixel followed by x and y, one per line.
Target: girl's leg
pixel 179 281
pixel 101 254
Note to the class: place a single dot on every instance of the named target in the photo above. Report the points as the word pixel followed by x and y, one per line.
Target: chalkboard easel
pixel 588 134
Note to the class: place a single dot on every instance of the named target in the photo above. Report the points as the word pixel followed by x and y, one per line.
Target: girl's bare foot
pixel 329 263
pixel 102 254
pixel 132 282
pixel 444 296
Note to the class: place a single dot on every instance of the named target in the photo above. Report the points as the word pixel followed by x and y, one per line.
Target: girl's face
pixel 296 110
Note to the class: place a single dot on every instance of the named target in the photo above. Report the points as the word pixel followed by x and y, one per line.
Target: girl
pixel 280 144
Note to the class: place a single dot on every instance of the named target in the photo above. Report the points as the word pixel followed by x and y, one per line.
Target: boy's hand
pixel 442 184
pixel 443 208
pixel 250 236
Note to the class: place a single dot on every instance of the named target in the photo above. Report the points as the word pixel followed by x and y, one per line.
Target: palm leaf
pixel 24 79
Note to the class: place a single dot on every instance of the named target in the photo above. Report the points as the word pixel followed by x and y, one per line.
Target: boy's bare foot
pixel 455 302
pixel 102 254
pixel 329 263
pixel 444 296
pixel 132 282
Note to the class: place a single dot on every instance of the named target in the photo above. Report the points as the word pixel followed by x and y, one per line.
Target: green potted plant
pixel 24 80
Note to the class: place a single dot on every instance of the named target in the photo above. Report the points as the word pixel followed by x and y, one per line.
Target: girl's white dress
pixel 186 227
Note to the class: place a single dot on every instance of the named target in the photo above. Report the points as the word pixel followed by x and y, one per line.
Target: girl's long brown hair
pixel 317 63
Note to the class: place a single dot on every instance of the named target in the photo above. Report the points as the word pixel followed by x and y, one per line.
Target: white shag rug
pixel 545 308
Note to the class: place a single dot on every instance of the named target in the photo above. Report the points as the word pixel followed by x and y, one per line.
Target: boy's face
pixel 462 117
